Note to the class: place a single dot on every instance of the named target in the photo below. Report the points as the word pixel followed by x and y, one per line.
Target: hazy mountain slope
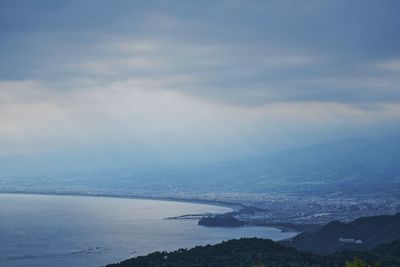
pixel 353 164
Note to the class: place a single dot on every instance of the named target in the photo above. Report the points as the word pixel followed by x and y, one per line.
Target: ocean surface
pixel 45 230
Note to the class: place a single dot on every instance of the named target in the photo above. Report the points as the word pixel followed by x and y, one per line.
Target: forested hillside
pixel 249 252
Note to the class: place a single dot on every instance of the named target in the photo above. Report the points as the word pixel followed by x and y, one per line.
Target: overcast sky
pixel 159 83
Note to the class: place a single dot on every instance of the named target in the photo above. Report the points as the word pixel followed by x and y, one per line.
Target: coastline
pixel 233 206
pixel 112 253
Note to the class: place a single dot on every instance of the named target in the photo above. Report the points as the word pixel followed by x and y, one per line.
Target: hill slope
pixel 372 231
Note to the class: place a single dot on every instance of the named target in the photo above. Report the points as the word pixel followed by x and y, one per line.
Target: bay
pixel 48 230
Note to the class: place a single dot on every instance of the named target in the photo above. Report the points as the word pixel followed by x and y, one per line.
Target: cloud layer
pixel 194 81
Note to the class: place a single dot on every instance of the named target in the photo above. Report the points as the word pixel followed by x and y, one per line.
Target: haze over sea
pixel 46 230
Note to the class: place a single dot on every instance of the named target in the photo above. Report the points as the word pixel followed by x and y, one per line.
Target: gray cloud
pixel 221 78
pixel 267 51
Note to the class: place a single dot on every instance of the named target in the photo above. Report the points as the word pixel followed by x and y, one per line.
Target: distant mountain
pixel 360 234
pixel 261 252
pixel 352 165
pixel 368 164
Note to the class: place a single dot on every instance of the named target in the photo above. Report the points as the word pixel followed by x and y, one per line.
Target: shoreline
pixel 233 206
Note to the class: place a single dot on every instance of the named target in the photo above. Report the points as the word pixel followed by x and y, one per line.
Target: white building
pixel 350 240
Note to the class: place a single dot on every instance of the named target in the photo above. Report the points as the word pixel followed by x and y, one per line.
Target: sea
pixel 58 230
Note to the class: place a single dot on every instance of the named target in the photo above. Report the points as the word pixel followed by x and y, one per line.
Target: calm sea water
pixel 44 230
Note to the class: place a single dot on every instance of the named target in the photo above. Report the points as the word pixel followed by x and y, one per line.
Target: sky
pixel 151 84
